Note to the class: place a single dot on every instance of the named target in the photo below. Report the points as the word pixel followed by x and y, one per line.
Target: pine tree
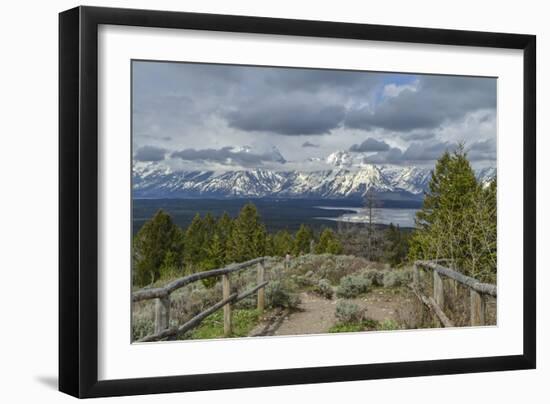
pixel 224 228
pixel 158 243
pixel 302 240
pixel 396 245
pixel 269 246
pixel 328 243
pixel 455 217
pixel 334 246
pixel 282 243
pixel 195 239
pixel 248 235
pixel 214 258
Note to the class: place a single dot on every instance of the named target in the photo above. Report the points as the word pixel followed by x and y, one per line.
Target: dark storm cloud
pixel 312 80
pixel 188 107
pixel 415 153
pixel 392 156
pixel 288 117
pixel 483 150
pixel 230 155
pixel 423 151
pixel 179 97
pixel 150 153
pixel 437 100
pixel 418 136
pixel 370 145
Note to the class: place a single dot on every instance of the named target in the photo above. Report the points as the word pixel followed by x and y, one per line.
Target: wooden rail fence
pixel 478 291
pixel 162 296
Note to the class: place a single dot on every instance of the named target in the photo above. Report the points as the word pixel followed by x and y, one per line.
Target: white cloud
pixel 393 90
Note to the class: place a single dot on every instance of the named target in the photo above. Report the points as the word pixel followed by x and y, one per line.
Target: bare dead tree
pixel 371 203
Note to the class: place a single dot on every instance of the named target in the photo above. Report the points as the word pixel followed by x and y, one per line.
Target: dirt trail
pixel 316 314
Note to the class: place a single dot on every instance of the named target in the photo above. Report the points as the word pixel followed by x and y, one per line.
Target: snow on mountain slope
pixel 151 180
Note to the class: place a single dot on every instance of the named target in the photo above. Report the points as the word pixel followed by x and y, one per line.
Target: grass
pixel 365 325
pixel 243 321
pixel 346 328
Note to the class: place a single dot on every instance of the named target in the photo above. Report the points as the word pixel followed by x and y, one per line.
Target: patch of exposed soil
pixel 316 314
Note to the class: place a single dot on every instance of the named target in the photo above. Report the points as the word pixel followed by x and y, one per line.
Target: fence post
pixel 416 276
pixel 162 313
pixel 226 290
pixel 261 291
pixel 477 308
pixel 439 294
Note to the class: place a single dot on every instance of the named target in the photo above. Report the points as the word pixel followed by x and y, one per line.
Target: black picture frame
pixel 78 200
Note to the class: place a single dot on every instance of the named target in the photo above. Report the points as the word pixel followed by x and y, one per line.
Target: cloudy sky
pixel 200 116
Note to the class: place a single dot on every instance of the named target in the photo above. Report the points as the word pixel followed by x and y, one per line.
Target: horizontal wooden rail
pixel 480 287
pixel 195 321
pixel 152 293
pixel 434 307
pixel 173 331
pixel 162 327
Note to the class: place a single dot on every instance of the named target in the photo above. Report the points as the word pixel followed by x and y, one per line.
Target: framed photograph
pixel 251 201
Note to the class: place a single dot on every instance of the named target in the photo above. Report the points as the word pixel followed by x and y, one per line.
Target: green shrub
pixel 279 294
pixel 303 281
pixel 375 276
pixel 353 286
pixel 349 313
pixel 141 327
pixel 388 325
pixel 324 289
pixel 346 328
pixel 242 322
pixel 396 278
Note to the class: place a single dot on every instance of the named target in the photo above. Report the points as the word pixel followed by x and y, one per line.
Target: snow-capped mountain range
pixel 346 176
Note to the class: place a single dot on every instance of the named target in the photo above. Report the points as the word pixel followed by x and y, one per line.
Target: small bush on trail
pixel 353 286
pixel 141 327
pixel 346 328
pixel 375 276
pixel 365 325
pixel 349 313
pixel 388 325
pixel 396 278
pixel 279 294
pixel 242 322
pixel 323 288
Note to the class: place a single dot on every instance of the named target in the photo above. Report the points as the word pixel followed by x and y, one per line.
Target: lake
pixel 278 214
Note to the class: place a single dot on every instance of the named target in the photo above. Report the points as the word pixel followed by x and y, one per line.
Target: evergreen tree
pixel 396 245
pixel 209 226
pixel 328 243
pixel 248 236
pixel 269 246
pixel 158 244
pixel 334 246
pixel 282 243
pixel 195 236
pixel 302 240
pixel 224 228
pixel 214 258
pixel 457 218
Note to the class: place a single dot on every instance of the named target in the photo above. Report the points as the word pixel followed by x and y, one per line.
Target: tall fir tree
pixel 302 240
pixel 157 245
pixel 248 236
pixel 195 236
pixel 224 228
pixel 396 245
pixel 283 243
pixel 328 243
pixel 452 220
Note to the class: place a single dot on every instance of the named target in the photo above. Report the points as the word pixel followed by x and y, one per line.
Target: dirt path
pixel 316 314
